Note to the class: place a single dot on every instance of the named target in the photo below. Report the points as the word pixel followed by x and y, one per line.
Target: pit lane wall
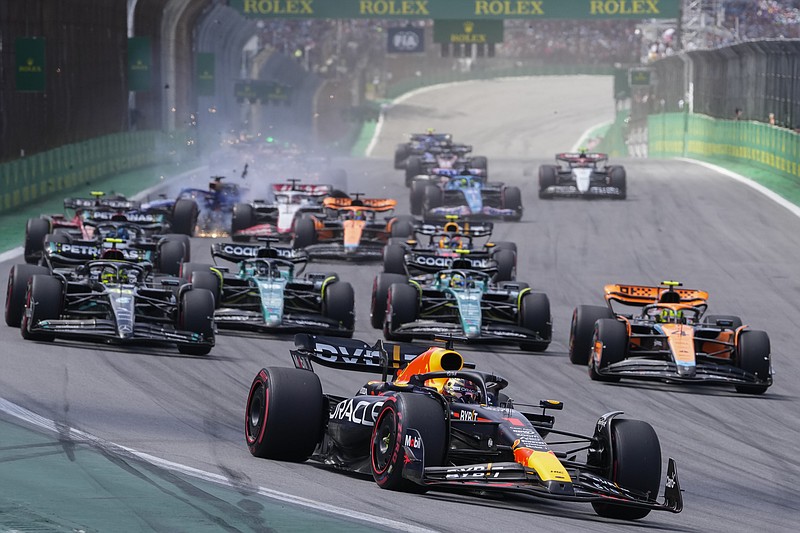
pixel 33 178
pixel 769 147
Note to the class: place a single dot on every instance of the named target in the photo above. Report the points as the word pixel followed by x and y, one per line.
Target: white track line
pixel 585 135
pixel 75 434
pixel 769 193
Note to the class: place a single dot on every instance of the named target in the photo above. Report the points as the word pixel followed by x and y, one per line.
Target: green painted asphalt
pixel 51 485
pixel 12 224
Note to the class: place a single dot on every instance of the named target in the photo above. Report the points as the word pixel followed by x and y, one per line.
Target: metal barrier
pixel 33 178
pixel 692 135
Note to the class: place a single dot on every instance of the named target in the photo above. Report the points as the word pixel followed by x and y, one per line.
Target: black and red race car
pixel 442 425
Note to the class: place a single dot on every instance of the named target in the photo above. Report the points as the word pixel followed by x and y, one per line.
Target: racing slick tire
pixel 512 199
pixel 534 314
pixel 243 217
pixel 305 233
pixel 417 196
pixel 205 279
pixel 634 463
pixel 403 226
pixel 16 292
pixel 413 168
pixel 402 307
pixel 187 269
pixel 35 231
pixel 380 293
pixel 548 177
pixel 184 216
pixel 506 265
pixel 170 257
pixel 480 162
pixel 617 178
pixel 44 299
pixel 284 415
pixel 753 356
pixel 715 320
pixel 504 245
pixel 196 315
pixel 581 330
pixel 400 156
pixel 612 335
pixel 434 197
pixel 184 239
pixel 338 303
pixel 394 259
pixel 398 414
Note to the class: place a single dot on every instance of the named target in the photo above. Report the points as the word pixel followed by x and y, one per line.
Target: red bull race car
pixel 662 333
pixel 439 424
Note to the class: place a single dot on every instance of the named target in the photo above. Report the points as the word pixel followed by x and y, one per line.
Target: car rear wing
pixel 98 201
pixel 575 157
pixel 352 354
pixel 237 251
pixel 641 295
pixel 310 189
pixel 466 229
pixel 370 204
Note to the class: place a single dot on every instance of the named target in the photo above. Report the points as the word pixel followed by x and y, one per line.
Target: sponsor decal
pixel 476 471
pixel 434 261
pixel 94 251
pixel 339 354
pixel 469 416
pixel 362 412
pixel 509 7
pixel 278 7
pixel 624 7
pixel 251 251
pixel 393 7
pixel 412 441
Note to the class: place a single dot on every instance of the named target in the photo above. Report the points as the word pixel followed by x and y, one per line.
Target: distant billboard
pixel 406 40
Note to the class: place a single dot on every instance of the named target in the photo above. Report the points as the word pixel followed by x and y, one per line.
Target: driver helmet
pixel 118 233
pixel 450 241
pixel 670 316
pixel 458 281
pixel 461 390
pixel 357 214
pixel 108 276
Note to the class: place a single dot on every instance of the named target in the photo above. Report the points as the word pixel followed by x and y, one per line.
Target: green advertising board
pixel 205 74
pixel 468 31
pixel 460 9
pixel 140 64
pixel 30 66
pixel 639 77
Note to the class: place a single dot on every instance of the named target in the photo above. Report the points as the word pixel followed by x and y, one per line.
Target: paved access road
pixel 736 454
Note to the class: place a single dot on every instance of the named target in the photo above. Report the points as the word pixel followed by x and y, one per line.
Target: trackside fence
pixel 692 135
pixel 36 177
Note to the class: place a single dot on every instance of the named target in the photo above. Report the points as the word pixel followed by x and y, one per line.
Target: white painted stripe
pixel 78 435
pixel 585 136
pixel 769 193
pixel 11 254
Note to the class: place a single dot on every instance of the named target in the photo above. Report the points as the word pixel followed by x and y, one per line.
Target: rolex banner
pixel 406 40
pixel 459 9
pixel 30 64
pixel 468 31
pixel 140 64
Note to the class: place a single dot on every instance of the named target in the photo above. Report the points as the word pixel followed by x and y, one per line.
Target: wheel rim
pixel 257 411
pixel 383 441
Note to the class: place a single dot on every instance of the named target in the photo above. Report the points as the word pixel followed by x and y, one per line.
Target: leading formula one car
pixel 582 174
pixel 462 302
pixel 118 302
pixel 419 143
pixel 670 338
pixel 350 228
pixel 442 425
pixel 268 293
